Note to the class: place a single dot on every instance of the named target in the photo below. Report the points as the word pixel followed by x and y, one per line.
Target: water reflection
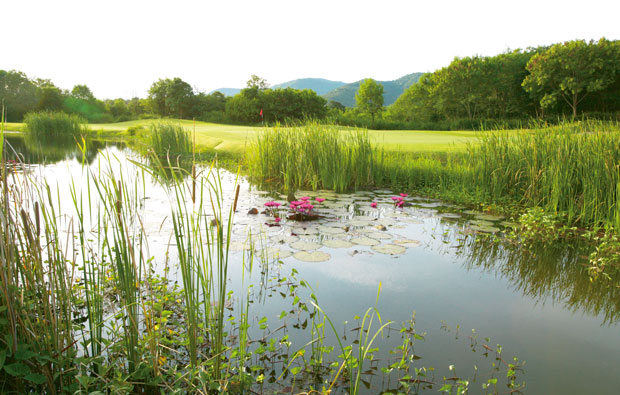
pixel 35 150
pixel 550 272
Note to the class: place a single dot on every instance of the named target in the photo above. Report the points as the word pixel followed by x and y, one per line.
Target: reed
pixel 312 156
pixel 170 141
pixel 49 126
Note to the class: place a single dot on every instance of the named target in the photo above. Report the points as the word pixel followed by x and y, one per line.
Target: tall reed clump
pixel 49 126
pixel 570 169
pixel 313 156
pixel 170 141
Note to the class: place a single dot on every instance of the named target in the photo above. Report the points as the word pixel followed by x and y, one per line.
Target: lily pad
pixel 305 245
pixel 239 246
pixel 365 241
pixel 284 239
pixel 390 249
pixel 489 217
pixel 378 235
pixel 485 229
pixel 480 222
pixel 359 222
pixel 407 242
pixel 509 224
pixel 337 243
pixel 305 231
pixel 328 230
pixel 314 256
pixel 450 215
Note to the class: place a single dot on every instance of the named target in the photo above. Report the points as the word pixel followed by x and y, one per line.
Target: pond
pixel 467 286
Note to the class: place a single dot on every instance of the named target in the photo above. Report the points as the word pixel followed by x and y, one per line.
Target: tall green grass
pixel 170 141
pixel 315 156
pixel 571 170
pixel 54 126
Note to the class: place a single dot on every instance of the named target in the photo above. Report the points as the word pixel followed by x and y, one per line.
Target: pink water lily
pixel 320 200
pixel 278 219
pixel 373 204
pixel 404 195
pixel 304 198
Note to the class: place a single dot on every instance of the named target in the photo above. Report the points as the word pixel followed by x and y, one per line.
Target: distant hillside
pixel 391 90
pixel 320 85
pixel 227 91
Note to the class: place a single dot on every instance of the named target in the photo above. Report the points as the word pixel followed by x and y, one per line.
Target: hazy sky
pixel 119 48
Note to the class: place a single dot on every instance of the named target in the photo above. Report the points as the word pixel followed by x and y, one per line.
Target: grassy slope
pixel 235 139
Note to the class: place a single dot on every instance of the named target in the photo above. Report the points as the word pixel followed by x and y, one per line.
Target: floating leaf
pixel 305 231
pixel 390 249
pixel 359 222
pixel 330 230
pixel 275 253
pixel 407 242
pixel 450 215
pixel 486 229
pixel 480 222
pixel 365 241
pixel 337 243
pixel 489 217
pixel 378 235
pixel 305 245
pixel 314 256
pixel 284 239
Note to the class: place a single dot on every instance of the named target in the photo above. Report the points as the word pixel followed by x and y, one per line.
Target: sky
pixel 119 48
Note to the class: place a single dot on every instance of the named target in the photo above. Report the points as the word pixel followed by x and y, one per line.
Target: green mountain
pixel 320 85
pixel 391 90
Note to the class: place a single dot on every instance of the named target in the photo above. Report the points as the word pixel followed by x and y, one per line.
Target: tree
pixel 17 93
pixel 50 98
pixel 82 92
pixel 171 97
pixel 257 83
pixel 369 97
pixel 571 71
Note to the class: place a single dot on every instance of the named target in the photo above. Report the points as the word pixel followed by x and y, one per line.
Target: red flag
pixel 261 112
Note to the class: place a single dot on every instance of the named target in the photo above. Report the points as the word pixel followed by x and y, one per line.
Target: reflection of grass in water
pixel 30 149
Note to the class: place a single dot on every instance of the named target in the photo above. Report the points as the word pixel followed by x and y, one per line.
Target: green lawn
pixel 235 139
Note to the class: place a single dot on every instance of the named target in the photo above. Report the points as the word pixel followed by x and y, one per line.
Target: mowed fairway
pixel 236 139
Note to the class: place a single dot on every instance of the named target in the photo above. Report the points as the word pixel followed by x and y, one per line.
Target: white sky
pixel 119 48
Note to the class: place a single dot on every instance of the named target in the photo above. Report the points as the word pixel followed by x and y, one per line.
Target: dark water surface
pixel 538 303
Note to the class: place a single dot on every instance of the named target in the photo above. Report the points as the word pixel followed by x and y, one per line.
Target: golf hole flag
pixel 261 113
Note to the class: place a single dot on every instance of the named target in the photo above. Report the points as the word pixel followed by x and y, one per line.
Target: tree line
pixel 566 79
pixel 173 98
pixel 570 78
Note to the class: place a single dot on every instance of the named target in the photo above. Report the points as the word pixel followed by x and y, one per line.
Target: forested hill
pixel 391 90
pixel 320 85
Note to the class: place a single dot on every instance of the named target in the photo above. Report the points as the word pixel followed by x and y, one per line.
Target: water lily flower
pixel 373 204
pixel 397 198
pixel 400 203
pixel 320 200
pixel 278 219
pixel 404 195
pixel 304 198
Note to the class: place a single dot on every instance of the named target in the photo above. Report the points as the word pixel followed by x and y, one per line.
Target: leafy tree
pixel 571 71
pixel 49 98
pixel 82 92
pixel 18 94
pixel 369 97
pixel 172 97
pixel 256 82
pixel 332 104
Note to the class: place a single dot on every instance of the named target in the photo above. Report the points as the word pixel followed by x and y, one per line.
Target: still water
pixel 439 264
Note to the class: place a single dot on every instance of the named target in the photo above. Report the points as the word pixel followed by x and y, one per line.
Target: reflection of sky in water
pixel 566 348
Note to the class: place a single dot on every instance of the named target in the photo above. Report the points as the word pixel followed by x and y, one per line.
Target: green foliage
pixel 369 98
pixel 572 70
pixel 172 97
pixel 170 140
pixel 312 156
pixel 18 93
pixel 50 126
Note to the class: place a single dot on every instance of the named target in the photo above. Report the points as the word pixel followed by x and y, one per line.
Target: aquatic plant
pixel 47 126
